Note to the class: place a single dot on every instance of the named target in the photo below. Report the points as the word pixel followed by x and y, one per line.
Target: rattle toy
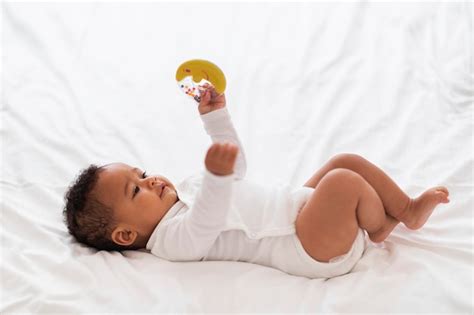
pixel 193 74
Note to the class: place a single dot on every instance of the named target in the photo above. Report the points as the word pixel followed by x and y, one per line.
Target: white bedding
pixel 94 83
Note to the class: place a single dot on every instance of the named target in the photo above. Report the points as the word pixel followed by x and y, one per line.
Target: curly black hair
pixel 87 219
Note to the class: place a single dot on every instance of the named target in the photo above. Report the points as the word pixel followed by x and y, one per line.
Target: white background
pixel 93 82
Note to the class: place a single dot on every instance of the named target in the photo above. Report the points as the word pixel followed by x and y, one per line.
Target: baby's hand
pixel 220 158
pixel 210 100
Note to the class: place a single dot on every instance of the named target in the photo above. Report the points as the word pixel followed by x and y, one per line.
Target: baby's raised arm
pixel 190 236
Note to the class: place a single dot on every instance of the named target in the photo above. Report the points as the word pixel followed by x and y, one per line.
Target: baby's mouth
pixel 162 191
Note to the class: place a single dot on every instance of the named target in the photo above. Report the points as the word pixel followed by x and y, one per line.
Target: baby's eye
pixel 137 189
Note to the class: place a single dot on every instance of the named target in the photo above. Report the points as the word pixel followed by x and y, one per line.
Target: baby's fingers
pixel 221 157
pixel 230 151
pixel 205 97
pixel 224 151
pixel 205 87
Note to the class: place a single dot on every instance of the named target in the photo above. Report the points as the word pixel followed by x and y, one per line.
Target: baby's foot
pixel 420 209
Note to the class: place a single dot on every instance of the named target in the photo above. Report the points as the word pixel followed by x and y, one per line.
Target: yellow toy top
pixel 200 69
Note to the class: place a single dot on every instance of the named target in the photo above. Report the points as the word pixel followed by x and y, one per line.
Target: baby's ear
pixel 124 236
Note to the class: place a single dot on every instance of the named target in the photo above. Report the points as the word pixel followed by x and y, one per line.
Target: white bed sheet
pixel 94 83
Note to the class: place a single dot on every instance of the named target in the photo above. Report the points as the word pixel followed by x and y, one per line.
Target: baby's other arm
pixel 191 237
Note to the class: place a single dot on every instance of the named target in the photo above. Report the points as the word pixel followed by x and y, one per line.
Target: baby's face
pixel 138 201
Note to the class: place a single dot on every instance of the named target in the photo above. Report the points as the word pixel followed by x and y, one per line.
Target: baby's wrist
pixel 207 111
pixel 215 177
pixel 214 114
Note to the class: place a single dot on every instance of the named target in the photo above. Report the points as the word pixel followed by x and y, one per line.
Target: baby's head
pixel 116 206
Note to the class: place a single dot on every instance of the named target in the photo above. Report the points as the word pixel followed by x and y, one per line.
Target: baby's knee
pixel 345 160
pixel 343 179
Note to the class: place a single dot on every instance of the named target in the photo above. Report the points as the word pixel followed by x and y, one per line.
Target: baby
pixel 316 231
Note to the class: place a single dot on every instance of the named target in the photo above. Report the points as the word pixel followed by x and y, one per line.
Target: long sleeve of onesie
pixel 218 125
pixel 191 235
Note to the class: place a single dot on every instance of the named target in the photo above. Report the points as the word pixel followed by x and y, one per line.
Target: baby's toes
pixel 442 196
pixel 444 189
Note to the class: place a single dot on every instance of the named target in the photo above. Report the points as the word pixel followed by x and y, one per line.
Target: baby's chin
pixel 171 194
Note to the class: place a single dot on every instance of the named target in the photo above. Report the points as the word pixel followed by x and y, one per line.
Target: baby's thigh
pixel 327 224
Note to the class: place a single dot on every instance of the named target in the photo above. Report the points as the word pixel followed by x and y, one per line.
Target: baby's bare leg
pixel 374 176
pixel 393 198
pixel 412 212
pixel 341 203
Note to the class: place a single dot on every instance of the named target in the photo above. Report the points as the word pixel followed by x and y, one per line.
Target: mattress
pixel 93 82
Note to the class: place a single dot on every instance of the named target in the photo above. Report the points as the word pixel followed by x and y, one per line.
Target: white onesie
pixel 232 218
